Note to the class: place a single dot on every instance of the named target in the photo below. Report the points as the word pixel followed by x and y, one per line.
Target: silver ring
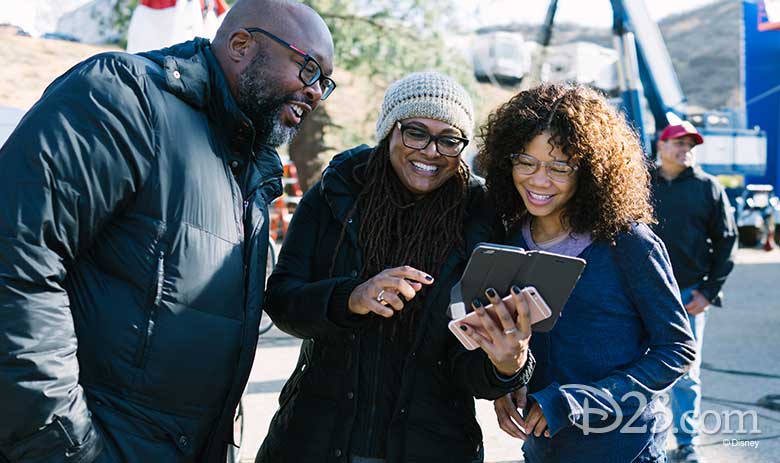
pixel 381 296
pixel 513 330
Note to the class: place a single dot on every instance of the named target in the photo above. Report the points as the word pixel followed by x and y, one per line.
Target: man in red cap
pixel 696 224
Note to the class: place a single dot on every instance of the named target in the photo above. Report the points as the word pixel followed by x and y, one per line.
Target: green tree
pixel 119 19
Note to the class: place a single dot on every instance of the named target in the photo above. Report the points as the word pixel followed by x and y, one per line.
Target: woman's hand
pixel 382 293
pixel 506 341
pixel 508 413
pixel 535 422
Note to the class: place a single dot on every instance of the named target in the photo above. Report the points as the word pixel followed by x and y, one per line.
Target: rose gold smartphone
pixel 538 310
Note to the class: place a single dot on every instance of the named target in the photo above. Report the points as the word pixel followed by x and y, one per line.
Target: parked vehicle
pixel 757 211
pixel 500 56
pixel 582 62
pixel 60 36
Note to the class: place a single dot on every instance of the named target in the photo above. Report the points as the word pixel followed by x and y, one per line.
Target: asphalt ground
pixel 741 373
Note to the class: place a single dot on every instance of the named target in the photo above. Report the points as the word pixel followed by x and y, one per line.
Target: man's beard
pixel 260 100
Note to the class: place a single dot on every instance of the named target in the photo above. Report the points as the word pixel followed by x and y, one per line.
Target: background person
pixel 364 277
pixel 697 226
pixel 569 176
pixel 133 239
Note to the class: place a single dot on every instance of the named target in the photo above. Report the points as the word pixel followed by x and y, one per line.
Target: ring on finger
pixel 381 296
pixel 510 331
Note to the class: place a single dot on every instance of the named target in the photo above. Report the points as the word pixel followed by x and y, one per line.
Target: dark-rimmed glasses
pixel 310 72
pixel 559 171
pixel 417 138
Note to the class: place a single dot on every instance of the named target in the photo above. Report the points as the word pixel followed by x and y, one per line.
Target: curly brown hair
pixel 613 181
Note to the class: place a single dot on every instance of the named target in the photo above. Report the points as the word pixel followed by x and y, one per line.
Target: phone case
pixel 538 311
pixel 552 277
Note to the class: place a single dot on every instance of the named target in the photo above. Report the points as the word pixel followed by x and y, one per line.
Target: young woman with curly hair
pixel 568 176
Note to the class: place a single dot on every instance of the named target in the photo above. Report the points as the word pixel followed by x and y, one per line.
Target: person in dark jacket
pixel 133 240
pixel 696 224
pixel 364 277
pixel 571 179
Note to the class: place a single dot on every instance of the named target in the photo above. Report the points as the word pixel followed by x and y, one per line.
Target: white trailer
pixel 500 56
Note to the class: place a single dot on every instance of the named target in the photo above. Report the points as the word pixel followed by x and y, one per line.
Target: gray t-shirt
pixel 571 244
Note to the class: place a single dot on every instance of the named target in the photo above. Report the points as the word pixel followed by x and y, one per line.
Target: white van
pixel 500 56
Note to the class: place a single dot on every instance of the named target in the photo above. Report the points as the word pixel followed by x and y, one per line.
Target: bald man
pixel 133 240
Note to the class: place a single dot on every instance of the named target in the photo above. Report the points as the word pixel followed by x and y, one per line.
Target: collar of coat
pixel 688 172
pixel 193 74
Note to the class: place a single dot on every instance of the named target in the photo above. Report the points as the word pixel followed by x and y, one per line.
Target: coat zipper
pixel 152 315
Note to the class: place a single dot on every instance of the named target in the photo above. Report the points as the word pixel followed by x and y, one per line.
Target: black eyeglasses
pixel 310 72
pixel 418 138
pixel 526 164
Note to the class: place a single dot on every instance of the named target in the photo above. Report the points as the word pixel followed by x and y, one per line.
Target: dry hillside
pixel 28 65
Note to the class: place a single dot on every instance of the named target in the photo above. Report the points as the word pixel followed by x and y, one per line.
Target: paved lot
pixel 742 367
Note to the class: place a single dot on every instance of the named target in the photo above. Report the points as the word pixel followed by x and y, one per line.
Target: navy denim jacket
pixel 623 338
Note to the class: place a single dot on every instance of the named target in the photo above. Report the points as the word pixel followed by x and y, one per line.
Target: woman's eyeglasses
pixel 526 164
pixel 418 138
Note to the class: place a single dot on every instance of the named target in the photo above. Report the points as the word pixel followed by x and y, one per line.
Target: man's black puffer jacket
pixel 133 238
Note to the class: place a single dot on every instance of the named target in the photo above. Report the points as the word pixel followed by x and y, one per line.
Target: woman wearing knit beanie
pixel 364 277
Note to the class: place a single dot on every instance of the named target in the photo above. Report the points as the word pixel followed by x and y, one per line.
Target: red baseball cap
pixel 681 130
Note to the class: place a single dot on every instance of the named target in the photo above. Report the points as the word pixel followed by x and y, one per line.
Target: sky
pixel 596 13
pixel 38 16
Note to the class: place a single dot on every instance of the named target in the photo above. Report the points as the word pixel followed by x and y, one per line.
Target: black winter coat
pixel 434 420
pixel 697 226
pixel 125 235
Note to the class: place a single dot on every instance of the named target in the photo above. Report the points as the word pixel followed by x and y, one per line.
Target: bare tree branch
pixel 382 26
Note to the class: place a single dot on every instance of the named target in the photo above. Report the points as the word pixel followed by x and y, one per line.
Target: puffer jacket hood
pixel 186 72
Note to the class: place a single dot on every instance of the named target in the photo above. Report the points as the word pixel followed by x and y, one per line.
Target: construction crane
pixel 644 65
pixel 645 69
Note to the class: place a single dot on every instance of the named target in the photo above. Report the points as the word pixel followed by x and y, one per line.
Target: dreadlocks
pixel 398 229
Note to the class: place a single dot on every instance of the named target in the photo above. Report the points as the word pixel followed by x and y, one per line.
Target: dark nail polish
pixel 463 327
pixel 515 289
pixel 428 278
pixel 491 292
pixel 477 303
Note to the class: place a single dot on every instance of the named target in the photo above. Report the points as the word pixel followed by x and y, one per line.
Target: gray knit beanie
pixel 426 94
